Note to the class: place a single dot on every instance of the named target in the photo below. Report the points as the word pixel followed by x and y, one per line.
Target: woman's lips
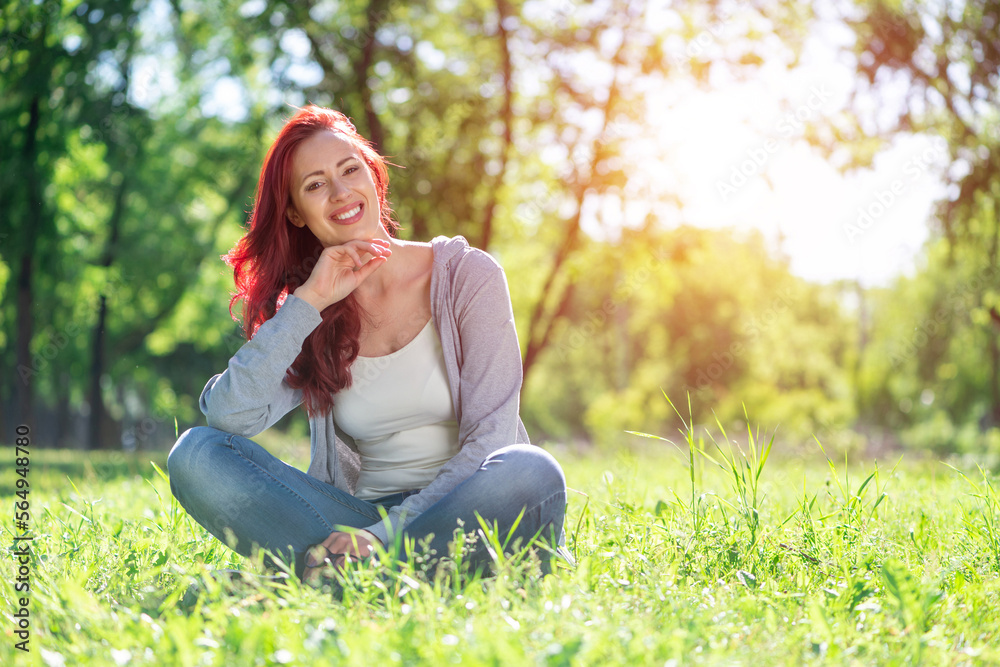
pixel 348 215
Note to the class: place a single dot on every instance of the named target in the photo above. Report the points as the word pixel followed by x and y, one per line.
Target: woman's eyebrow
pixel 320 171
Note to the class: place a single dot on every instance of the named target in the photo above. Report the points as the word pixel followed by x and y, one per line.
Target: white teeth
pixel 350 214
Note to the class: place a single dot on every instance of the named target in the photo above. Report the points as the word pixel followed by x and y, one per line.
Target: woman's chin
pixel 359 231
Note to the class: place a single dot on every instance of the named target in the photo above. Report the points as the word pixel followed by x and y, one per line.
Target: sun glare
pixel 736 157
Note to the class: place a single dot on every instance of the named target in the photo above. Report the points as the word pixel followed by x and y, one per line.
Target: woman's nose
pixel 337 189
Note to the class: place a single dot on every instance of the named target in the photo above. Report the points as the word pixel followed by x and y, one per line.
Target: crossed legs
pixel 248 498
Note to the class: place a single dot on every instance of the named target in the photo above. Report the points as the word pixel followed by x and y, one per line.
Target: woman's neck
pixel 408 262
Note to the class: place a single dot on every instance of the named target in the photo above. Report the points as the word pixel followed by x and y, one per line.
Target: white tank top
pixel 398 409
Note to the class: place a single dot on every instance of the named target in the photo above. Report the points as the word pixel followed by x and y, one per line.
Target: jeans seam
pixel 542 503
pixel 546 501
pixel 350 507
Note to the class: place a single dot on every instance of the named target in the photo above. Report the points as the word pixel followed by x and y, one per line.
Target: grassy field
pixel 748 560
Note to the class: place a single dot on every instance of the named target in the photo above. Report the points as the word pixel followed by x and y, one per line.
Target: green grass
pixel 697 555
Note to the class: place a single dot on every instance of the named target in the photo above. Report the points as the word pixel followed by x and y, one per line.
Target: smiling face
pixel 333 192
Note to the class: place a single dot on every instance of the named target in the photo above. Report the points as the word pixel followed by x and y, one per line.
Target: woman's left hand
pixel 339 548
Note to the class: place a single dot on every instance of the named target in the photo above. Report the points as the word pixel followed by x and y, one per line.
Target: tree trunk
pixel 25 331
pixel 538 343
pixel 25 278
pixel 376 14
pixel 504 11
pixel 540 327
pixel 63 419
pixel 96 395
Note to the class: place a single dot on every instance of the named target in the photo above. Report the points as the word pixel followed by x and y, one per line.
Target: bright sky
pixel 734 171
pixel 736 157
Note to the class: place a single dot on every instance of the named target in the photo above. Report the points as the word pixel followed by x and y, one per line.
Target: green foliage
pixel 932 368
pixel 922 371
pixel 131 194
pixel 655 312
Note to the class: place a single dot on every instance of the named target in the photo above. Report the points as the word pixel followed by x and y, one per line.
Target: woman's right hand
pixel 340 269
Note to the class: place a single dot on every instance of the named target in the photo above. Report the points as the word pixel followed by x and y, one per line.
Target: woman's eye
pixel 350 170
pixel 312 186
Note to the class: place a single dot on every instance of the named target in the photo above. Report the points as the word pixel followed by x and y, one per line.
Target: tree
pixel 106 202
pixel 948 57
pixel 675 322
pixel 595 64
pixel 45 61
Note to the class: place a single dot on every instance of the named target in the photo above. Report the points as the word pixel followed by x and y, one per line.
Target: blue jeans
pixel 248 498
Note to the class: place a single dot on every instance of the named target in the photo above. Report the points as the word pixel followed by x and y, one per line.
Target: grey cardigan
pixel 470 305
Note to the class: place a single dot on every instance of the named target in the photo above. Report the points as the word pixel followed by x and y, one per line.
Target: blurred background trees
pixel 133 133
pixel 930 366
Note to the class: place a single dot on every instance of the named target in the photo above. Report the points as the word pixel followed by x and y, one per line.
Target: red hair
pixel 275 257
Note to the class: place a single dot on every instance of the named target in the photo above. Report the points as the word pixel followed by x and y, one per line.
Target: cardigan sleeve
pixel 252 394
pixel 489 383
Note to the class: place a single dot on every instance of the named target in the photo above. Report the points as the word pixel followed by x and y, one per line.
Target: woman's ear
pixel 294 217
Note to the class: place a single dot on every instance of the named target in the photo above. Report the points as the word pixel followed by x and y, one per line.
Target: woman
pixel 405 356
